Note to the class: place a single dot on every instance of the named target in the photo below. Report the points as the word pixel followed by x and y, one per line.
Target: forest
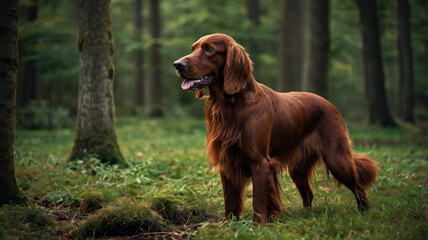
pixel 99 141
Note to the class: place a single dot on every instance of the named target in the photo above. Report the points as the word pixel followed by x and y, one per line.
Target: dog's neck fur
pixel 217 95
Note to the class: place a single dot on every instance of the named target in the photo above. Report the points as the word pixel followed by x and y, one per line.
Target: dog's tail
pixel 366 168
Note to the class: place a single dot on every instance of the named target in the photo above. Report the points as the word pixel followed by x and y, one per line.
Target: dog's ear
pixel 237 70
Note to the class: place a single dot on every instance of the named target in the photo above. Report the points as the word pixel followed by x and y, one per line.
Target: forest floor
pixel 168 191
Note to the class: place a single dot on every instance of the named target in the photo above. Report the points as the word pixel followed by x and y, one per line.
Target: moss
pixel 95 199
pixel 39 217
pixel 107 150
pixel 179 213
pixel 126 217
pixel 22 221
pixel 169 210
pixel 92 201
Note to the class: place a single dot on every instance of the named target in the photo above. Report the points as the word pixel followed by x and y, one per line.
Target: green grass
pixel 168 189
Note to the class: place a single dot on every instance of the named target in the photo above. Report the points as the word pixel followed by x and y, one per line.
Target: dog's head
pixel 216 60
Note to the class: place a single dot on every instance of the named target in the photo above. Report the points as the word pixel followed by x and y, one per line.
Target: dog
pixel 255 133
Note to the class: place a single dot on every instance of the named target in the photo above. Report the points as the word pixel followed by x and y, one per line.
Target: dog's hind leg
pixel 301 175
pixel 339 161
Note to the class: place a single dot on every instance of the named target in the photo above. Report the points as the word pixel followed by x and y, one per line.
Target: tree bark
pixel 405 81
pixel 378 109
pixel 9 191
pixel 138 56
pixel 155 59
pixel 291 50
pixel 315 64
pixel 96 134
pixel 426 62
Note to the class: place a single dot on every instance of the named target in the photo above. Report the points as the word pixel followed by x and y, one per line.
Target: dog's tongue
pixel 187 84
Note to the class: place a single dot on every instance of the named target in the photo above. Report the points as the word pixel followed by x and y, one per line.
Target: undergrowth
pixel 168 191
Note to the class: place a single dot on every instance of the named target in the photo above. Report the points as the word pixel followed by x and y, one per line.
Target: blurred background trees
pixel 279 36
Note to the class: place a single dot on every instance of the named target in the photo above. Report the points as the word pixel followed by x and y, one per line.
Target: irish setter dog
pixel 255 133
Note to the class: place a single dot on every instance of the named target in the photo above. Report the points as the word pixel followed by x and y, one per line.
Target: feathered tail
pixel 366 168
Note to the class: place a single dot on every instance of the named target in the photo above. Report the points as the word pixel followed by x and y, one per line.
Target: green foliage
pixel 42 115
pixel 59 198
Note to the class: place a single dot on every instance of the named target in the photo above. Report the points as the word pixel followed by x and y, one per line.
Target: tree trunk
pixel 291 50
pixel 373 69
pixel 405 81
pixel 138 56
pixel 155 60
pixel 253 46
pixel 29 67
pixel 426 69
pixel 315 64
pixel 96 134
pixel 9 191
pixel 254 11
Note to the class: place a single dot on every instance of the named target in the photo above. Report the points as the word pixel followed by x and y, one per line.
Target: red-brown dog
pixel 254 132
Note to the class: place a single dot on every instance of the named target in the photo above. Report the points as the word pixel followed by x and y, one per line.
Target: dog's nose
pixel 180 65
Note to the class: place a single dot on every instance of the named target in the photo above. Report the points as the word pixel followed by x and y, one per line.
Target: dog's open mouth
pixel 196 84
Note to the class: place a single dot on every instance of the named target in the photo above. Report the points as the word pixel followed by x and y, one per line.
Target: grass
pixel 168 190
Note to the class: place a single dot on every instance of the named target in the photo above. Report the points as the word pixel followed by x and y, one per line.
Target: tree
pixel 155 59
pixel 29 67
pixel 317 42
pixel 405 80
pixel 9 190
pixel 254 11
pixel 291 49
pixel 253 46
pixel 378 109
pixel 138 56
pixel 96 133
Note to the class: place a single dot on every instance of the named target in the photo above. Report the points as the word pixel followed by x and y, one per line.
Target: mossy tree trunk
pixel 9 191
pixel 96 134
pixel 373 68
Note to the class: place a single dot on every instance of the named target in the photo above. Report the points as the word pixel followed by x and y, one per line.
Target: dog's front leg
pixel 233 193
pixel 260 172
pixel 266 199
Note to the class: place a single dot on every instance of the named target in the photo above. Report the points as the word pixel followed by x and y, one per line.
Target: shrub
pixel 40 114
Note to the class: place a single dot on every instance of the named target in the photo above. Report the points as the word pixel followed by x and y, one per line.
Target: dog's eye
pixel 210 49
